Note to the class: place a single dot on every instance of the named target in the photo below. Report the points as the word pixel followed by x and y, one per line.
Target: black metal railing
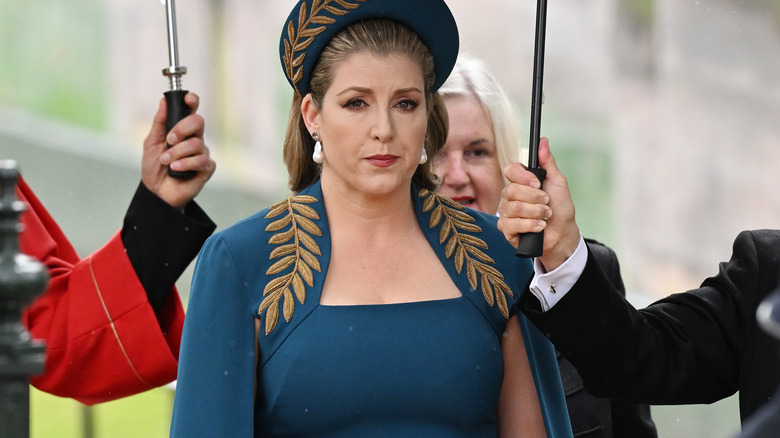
pixel 21 279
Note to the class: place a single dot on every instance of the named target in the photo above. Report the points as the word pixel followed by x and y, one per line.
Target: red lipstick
pixel 464 200
pixel 382 160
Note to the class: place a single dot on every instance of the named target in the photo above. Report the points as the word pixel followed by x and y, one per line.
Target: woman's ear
pixel 311 116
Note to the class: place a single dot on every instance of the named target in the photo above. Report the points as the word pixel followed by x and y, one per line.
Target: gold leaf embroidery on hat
pixel 466 247
pixel 295 43
pixel 294 247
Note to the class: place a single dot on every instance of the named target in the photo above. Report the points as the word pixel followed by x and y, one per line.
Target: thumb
pixel 157 132
pixel 546 158
pixel 554 180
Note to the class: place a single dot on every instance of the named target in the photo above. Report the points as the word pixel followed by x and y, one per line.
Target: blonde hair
pixel 380 37
pixel 471 78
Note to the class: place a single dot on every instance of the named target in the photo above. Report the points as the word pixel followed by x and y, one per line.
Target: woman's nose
pixel 454 171
pixel 383 127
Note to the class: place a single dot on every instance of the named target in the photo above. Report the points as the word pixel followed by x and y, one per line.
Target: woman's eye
pixel 408 104
pixel 354 103
pixel 477 153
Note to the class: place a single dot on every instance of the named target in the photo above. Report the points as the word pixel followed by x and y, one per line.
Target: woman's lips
pixel 382 160
pixel 464 200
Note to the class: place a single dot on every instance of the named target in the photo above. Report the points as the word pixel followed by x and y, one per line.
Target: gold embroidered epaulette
pixel 293 246
pixel 455 223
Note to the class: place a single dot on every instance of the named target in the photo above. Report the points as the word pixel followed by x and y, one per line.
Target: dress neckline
pixel 399 304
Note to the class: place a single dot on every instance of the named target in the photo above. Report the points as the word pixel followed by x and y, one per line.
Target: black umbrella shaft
pixel 537 97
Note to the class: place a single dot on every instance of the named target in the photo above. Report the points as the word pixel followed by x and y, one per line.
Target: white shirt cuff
pixel 550 287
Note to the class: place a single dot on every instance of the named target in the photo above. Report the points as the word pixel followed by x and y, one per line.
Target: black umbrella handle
pixel 532 244
pixel 177 110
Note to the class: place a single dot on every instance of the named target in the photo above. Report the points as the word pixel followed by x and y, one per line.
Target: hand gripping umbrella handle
pixel 177 110
pixel 531 244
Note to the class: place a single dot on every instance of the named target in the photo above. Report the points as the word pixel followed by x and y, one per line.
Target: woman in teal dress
pixel 364 305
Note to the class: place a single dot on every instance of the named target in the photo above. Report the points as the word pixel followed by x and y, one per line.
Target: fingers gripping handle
pixel 177 110
pixel 532 244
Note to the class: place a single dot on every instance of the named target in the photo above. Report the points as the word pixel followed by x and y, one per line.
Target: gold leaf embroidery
pixel 444 231
pixel 436 216
pixel 279 224
pixel 487 290
pixel 428 202
pixel 305 271
pixel 288 305
pixel 299 288
pixel 283 250
pixel 323 20
pixel 281 237
pixel 335 11
pixel 474 240
pixel 271 317
pixel 276 209
pixel 295 247
pixel 478 253
pixel 309 243
pixel 274 284
pixel 312 32
pixel 459 258
pixel 450 248
pixel 299 60
pixel 346 5
pixel 281 265
pixel 304 209
pixel 501 296
pixel 302 15
pixel 456 205
pixel 295 43
pixel 466 248
pixel 310 259
pixel 308 225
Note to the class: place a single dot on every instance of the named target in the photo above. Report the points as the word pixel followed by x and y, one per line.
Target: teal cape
pixel 269 270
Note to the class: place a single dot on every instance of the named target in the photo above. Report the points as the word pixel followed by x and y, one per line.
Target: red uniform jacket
pixel 103 338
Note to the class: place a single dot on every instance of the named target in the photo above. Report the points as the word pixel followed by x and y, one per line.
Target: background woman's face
pixel 468 164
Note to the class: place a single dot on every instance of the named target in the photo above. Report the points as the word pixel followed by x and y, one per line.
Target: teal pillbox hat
pixel 313 23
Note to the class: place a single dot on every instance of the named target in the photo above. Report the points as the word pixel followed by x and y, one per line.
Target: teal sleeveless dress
pixel 419 369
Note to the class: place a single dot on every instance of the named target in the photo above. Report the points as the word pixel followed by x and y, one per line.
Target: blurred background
pixel 663 113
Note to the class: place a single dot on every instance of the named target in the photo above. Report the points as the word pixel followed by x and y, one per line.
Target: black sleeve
pixel 600 417
pixel 161 241
pixel 608 261
pixel 683 349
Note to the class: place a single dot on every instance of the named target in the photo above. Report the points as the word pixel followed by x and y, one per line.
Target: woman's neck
pixel 365 213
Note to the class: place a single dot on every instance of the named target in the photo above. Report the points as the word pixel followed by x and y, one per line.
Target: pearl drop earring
pixel 424 157
pixel 317 156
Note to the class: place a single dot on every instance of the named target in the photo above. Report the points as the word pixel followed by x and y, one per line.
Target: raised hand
pixel 188 152
pixel 528 208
